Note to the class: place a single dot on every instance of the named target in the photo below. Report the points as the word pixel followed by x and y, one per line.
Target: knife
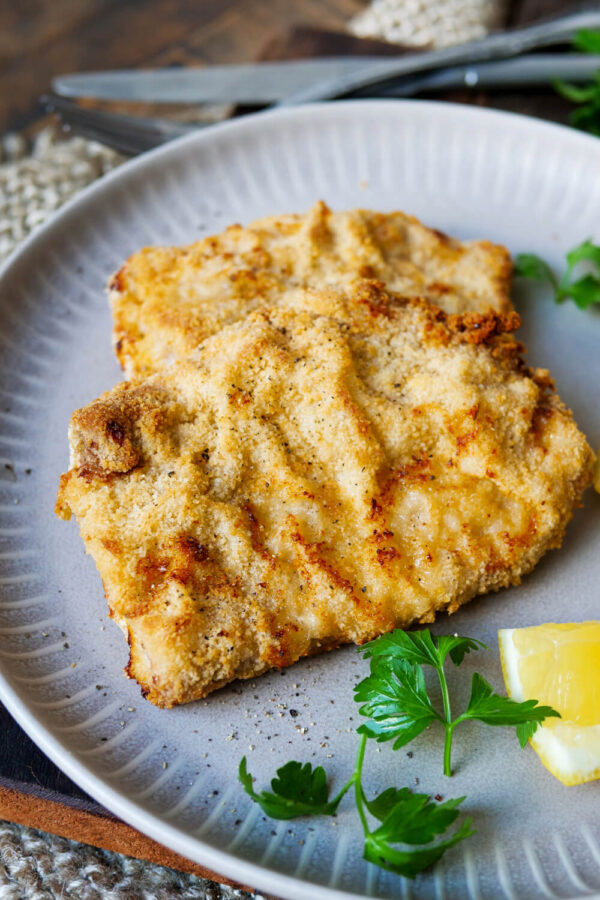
pixel 252 84
pixel 261 84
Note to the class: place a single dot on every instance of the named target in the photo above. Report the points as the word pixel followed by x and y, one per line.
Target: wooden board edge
pixel 107 832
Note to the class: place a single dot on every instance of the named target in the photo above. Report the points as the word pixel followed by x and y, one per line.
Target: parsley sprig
pixel 396 703
pixel 584 291
pixel 397 707
pixel 403 841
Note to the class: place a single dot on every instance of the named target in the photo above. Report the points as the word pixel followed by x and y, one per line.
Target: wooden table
pixel 41 39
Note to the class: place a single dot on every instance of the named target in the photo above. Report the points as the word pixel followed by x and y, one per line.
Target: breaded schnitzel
pixel 302 481
pixel 166 300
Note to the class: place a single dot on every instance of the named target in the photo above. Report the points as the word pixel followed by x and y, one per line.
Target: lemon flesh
pixel 559 665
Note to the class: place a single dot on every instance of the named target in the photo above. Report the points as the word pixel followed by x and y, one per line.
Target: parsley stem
pixel 447 720
pixel 345 789
pixel 448 751
pixel 358 790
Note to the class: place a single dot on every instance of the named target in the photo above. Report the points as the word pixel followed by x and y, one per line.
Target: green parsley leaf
pixel 410 862
pixel 421 647
pixel 414 647
pixel 382 805
pixel 587 116
pixel 526 730
pixel 405 818
pixel 584 291
pixel 584 251
pixel 395 700
pixel 587 40
pixel 528 265
pixel 297 790
pixel 409 818
pixel 493 709
pixel 457 647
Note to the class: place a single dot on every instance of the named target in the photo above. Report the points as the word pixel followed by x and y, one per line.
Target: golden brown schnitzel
pixel 303 480
pixel 165 300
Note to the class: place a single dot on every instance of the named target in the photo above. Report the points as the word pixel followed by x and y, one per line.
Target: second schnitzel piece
pixel 303 481
pixel 165 300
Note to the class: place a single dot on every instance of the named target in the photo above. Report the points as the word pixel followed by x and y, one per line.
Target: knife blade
pixel 251 83
pixel 191 84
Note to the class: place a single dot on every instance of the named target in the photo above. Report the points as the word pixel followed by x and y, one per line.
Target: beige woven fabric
pixel 429 22
pixel 35 181
pixel 38 866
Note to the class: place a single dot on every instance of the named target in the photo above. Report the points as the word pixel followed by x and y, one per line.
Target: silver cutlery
pixel 499 60
pixel 133 134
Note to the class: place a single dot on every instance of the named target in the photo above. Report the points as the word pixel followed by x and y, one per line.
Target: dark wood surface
pixel 41 39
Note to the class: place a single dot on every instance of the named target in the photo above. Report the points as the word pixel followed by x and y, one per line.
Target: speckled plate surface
pixel 172 774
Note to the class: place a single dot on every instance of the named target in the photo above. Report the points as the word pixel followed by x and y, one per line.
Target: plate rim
pixel 222 862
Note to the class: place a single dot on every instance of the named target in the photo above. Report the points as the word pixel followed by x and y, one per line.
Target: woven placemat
pixel 39 866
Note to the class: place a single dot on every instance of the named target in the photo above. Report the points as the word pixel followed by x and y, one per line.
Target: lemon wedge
pixel 559 665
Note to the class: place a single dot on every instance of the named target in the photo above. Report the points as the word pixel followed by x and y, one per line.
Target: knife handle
pixel 496 46
pixel 522 71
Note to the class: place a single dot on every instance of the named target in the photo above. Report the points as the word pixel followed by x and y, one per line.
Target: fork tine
pixel 129 141
pixel 128 134
pixel 120 144
pixel 129 144
pixel 118 121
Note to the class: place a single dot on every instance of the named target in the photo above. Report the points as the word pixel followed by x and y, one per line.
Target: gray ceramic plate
pixel 172 774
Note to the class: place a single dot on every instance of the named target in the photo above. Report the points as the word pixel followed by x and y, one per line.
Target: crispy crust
pixel 166 300
pixel 303 481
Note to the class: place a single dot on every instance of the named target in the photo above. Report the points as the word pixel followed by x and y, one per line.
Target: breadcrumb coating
pixel 316 476
pixel 166 300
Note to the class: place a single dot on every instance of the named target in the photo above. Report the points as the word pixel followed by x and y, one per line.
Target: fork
pixel 129 135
